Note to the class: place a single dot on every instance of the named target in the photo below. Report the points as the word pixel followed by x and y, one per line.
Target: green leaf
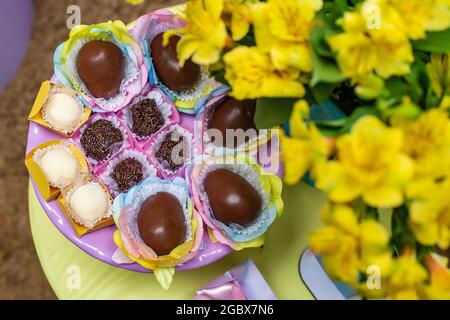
pixel 271 112
pixel 438 42
pixel 325 70
pixel 338 123
pixel 322 91
pixel 356 114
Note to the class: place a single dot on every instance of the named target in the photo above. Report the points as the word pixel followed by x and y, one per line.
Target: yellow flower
pixel 362 48
pixel 440 16
pixel 368 86
pixel 305 140
pixel 429 211
pixel 413 17
pixel 439 287
pixel 204 35
pixel 349 247
pixel 252 75
pixel 237 17
pixel 369 164
pixel 282 29
pixel 408 276
pixel 427 142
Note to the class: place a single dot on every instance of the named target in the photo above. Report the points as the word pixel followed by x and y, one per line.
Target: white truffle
pixel 89 203
pixel 60 167
pixel 63 112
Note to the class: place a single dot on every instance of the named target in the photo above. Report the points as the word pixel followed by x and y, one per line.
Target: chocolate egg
pixel 161 223
pixel 232 198
pixel 100 66
pixel 233 114
pixel 166 64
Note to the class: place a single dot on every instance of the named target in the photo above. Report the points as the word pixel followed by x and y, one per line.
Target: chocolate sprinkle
pixel 171 140
pixel 127 173
pixel 147 119
pixel 98 139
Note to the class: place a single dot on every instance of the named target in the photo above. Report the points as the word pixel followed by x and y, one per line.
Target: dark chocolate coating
pixel 173 159
pixel 233 114
pixel 100 66
pixel 161 223
pixel 100 138
pixel 166 64
pixel 232 198
pixel 127 173
pixel 147 119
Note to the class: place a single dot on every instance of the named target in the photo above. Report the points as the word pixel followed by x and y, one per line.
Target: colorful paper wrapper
pixel 204 111
pixel 151 149
pixel 243 282
pixel 135 73
pixel 131 248
pixel 37 111
pixel 144 30
pixel 163 104
pixel 268 186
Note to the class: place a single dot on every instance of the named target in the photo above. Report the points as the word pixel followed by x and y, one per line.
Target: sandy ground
pixel 21 276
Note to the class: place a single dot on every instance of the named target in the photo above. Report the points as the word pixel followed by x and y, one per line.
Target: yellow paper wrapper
pixel 48 192
pixel 41 98
pixel 80 229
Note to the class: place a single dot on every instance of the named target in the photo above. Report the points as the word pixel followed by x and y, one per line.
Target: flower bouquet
pixel 380 69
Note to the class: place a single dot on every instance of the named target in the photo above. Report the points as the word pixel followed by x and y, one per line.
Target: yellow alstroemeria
pixel 304 148
pixel 282 29
pixel 413 17
pixel 349 247
pixel 440 16
pixel 429 211
pixel 204 35
pixel 369 164
pixel 237 16
pixel 439 287
pixel 363 48
pixel 252 75
pixel 409 16
pixel 427 142
pixel 408 277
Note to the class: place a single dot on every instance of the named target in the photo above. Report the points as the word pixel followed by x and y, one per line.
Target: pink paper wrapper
pixel 243 282
pixel 153 145
pixel 164 105
pixel 104 172
pixel 127 139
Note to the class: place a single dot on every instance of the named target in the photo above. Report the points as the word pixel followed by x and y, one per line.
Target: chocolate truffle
pixel 161 223
pixel 166 64
pixel 98 139
pixel 63 112
pixel 232 198
pixel 127 173
pixel 174 159
pixel 146 117
pixel 100 66
pixel 60 167
pixel 89 203
pixel 233 114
